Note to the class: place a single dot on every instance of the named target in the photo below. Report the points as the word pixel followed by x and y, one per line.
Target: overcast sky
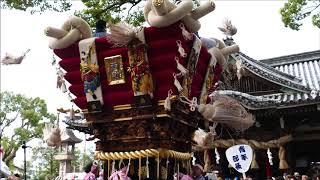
pixel 261 35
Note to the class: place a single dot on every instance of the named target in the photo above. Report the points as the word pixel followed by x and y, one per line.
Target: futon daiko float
pixel 143 90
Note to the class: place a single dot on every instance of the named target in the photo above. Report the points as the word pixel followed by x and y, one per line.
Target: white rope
pixel 192 103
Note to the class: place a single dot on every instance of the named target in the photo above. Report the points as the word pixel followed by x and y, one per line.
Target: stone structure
pixel 66 151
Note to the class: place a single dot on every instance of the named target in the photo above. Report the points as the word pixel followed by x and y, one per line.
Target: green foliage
pixel 111 11
pixel 24 117
pixel 48 167
pixel 294 11
pixel 114 11
pixel 37 5
pixel 81 160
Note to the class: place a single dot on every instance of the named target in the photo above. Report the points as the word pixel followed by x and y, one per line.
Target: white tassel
pixel 113 169
pixel 129 163
pixel 186 35
pixel 193 159
pixel 147 164
pixel 70 97
pixel 60 72
pixel 167 101
pixel 180 67
pixel 217 155
pixel 63 87
pixel 193 104
pixel 270 156
pixel 121 34
pixel 180 49
pixel 177 83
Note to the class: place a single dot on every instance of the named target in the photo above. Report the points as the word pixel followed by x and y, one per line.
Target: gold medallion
pixel 114 70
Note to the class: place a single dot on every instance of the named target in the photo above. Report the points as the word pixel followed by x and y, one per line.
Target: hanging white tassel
pixel 147 164
pixel 167 101
pixel 129 163
pixel 193 104
pixel 180 67
pixel 180 49
pixel 113 169
pixel 60 72
pixel 121 34
pixel 63 87
pixel 70 97
pixel 186 35
pixel 177 83
pixel 193 159
pixel 217 155
pixel 270 156
pixel 53 62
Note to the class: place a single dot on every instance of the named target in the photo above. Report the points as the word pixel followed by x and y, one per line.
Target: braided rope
pixel 162 153
pixel 226 143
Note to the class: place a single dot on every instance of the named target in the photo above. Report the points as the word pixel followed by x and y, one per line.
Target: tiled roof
pixel 297 71
pixel 270 101
pixel 271 74
pixel 305 66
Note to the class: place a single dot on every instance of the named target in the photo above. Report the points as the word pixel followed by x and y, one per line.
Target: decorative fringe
pixel 128 169
pixel 254 163
pixel 181 50
pixel 193 160
pixel 199 137
pixel 270 156
pixel 167 101
pixel 177 83
pixel 217 155
pixel 282 157
pixel 180 67
pixel 186 35
pixel 52 135
pixel 207 161
pixel 64 87
pixel 147 166
pixel 121 34
pixel 113 169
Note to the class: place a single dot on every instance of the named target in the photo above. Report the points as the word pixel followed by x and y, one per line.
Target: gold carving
pixel 158 2
pixel 114 70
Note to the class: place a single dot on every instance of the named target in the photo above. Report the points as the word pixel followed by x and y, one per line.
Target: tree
pixel 107 10
pixel 37 5
pixel 24 117
pixel 44 164
pixel 294 11
pixel 81 159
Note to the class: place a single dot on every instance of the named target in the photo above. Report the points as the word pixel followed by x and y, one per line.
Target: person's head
pixel 17 176
pixel 183 171
pixel 87 168
pixel 197 170
pixel 316 177
pixel 95 169
pixel 304 177
pixel 101 26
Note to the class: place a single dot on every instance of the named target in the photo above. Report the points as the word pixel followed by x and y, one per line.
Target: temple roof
pixel 286 81
pixel 67 135
pixel 305 66
pixel 297 72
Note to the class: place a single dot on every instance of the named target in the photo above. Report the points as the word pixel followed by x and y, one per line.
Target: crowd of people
pixel 93 172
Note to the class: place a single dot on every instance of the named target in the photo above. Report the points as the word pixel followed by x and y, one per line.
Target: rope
pixel 253 143
pixel 161 153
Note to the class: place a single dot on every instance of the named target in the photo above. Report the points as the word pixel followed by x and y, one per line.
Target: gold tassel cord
pixel 254 163
pixel 282 157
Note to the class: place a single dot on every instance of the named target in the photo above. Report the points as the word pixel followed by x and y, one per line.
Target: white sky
pixel 261 34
